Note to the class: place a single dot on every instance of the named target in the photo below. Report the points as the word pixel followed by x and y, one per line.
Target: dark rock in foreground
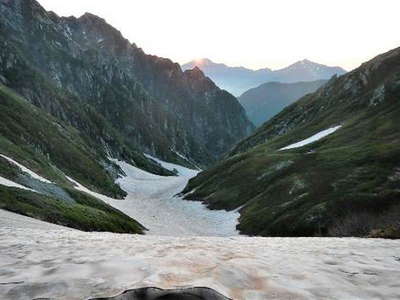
pixel 152 293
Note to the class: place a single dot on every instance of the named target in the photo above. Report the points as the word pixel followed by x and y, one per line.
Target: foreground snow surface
pixel 313 138
pixel 39 259
pixel 151 201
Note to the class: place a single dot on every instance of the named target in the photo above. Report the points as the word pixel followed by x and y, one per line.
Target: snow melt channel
pixel 152 201
pixel 312 139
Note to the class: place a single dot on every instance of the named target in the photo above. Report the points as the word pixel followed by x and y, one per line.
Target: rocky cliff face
pixel 86 73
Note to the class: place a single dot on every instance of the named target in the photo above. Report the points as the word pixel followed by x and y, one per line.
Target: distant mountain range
pixel 237 80
pixel 267 100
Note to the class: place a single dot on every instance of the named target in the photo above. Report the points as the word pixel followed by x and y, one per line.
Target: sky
pixel 251 33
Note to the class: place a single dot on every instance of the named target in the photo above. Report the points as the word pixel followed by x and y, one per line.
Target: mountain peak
pixel 202 62
pixel 304 62
pixel 196 74
pixel 90 16
pixel 308 63
pixel 197 69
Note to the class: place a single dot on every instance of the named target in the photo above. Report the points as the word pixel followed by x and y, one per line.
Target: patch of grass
pixel 87 213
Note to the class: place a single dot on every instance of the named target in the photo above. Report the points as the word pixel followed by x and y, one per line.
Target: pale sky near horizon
pixel 251 33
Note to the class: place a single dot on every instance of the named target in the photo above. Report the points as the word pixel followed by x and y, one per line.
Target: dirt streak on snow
pixel 151 201
pixel 38 259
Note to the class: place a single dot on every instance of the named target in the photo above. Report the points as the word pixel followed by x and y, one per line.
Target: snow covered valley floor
pixel 151 201
pixel 38 259
pixel 186 245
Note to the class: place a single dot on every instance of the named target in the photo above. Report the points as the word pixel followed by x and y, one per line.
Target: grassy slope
pixel 316 189
pixel 52 149
pixel 40 142
pixel 82 212
pixel 86 213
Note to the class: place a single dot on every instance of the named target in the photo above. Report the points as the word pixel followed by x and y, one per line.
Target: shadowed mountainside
pixel 345 184
pixel 267 100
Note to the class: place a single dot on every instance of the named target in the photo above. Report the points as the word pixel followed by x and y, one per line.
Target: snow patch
pixel 171 167
pixel 9 183
pixel 25 169
pixel 313 138
pixel 84 189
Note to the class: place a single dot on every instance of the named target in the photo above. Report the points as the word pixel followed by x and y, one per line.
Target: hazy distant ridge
pixel 237 80
pixel 268 99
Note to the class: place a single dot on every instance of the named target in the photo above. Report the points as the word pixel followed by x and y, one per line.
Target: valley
pixel 122 170
pixel 152 200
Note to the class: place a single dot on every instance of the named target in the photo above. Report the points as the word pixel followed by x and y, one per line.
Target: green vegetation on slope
pixel 85 213
pixel 40 142
pixel 346 184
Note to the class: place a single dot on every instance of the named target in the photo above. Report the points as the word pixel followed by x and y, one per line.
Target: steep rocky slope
pixel 346 183
pixel 83 71
pixel 265 101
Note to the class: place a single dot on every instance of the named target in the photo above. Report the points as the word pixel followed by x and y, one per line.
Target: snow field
pixel 152 201
pixel 38 259
pixel 43 260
